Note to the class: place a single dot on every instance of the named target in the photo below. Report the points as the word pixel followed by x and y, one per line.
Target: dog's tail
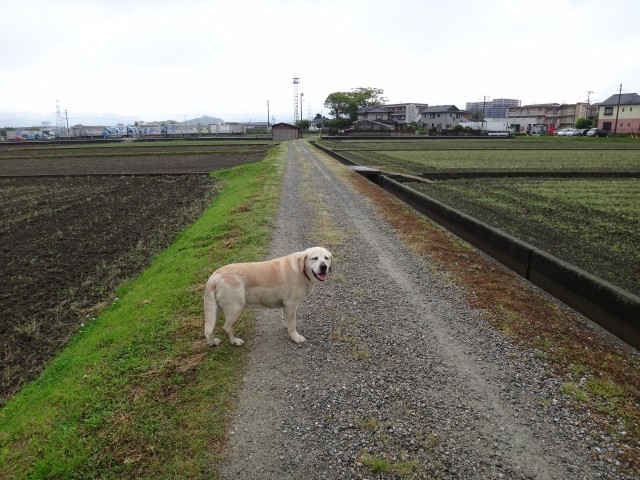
pixel 210 312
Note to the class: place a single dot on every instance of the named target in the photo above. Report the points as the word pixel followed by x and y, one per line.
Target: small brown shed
pixel 285 131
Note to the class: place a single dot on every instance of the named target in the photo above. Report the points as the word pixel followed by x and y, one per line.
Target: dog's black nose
pixel 323 268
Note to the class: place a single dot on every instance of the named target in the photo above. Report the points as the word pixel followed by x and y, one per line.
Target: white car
pixel 569 132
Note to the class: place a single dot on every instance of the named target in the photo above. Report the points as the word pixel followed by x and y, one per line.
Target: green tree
pixel 346 104
pixel 583 123
pixel 338 104
pixel 368 96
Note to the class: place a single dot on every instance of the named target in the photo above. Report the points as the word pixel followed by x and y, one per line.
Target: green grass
pixel 439 155
pixel 517 143
pixel 592 223
pixel 138 393
pixel 420 162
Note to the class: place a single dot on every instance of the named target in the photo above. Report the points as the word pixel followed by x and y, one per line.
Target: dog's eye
pixel 314 258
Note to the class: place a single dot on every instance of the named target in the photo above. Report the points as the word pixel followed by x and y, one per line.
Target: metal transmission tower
pixel 296 81
pixel 59 119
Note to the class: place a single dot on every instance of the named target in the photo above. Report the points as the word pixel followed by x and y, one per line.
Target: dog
pixel 280 283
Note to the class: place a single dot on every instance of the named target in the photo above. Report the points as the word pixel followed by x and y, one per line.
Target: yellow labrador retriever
pixel 280 283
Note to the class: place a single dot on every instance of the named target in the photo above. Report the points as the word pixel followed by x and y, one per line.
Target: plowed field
pixel 72 229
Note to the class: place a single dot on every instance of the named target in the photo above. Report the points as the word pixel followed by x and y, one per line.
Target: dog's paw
pixel 296 337
pixel 214 342
pixel 237 342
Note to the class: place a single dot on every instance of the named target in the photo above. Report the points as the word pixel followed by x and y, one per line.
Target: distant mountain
pixel 205 120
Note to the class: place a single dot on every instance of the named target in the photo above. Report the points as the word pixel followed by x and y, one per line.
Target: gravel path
pixel 398 378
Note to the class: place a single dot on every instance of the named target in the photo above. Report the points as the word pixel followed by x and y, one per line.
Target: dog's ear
pixel 302 259
pixel 330 263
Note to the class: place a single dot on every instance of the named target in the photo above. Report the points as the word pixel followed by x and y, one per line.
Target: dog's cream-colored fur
pixel 280 283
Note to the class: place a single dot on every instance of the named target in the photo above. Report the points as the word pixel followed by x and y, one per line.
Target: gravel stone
pixel 396 368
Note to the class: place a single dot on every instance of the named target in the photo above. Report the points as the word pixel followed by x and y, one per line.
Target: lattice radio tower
pixel 296 81
pixel 59 119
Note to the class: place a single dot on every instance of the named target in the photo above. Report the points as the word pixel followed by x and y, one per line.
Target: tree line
pixel 344 106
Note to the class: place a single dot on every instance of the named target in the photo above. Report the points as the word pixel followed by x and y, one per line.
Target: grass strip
pixel 138 393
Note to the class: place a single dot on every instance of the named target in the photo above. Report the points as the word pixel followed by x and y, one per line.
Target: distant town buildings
pixel 620 114
pixel 496 108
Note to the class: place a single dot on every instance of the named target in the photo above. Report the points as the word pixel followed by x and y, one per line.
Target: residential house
pixel 376 113
pixel 405 113
pixel 318 123
pixel 620 113
pixel 394 116
pixel 375 118
pixel 443 117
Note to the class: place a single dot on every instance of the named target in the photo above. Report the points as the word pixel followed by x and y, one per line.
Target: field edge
pixel 138 393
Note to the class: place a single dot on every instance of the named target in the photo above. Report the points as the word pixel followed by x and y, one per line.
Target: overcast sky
pixel 125 60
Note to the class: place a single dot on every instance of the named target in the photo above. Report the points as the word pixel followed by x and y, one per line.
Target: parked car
pixel 596 132
pixel 568 132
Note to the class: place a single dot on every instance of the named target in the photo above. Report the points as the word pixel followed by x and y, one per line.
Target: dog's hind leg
pixel 231 315
pixel 210 313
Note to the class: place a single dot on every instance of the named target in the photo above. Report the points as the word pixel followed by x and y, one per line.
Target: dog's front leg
pixel 289 312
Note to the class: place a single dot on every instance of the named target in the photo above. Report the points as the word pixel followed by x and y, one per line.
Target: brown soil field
pixel 124 165
pixel 72 230
pixel 20 150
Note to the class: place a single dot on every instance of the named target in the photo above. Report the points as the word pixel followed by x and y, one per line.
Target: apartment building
pixel 546 117
pixel 496 108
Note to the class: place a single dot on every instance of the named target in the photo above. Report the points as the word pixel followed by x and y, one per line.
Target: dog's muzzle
pixel 322 274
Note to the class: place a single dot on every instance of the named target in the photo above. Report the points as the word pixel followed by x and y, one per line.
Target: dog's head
pixel 315 262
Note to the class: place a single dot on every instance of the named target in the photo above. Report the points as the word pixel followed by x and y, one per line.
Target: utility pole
pixel 589 105
pixel 268 123
pixel 301 95
pixel 615 127
pixel 67 118
pixel 484 104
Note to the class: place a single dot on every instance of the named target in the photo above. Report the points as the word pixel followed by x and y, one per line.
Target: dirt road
pixel 398 378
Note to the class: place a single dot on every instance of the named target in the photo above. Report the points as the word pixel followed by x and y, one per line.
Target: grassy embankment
pixel 138 393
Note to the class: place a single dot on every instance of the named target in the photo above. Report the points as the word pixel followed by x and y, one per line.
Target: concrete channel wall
pixel 611 307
